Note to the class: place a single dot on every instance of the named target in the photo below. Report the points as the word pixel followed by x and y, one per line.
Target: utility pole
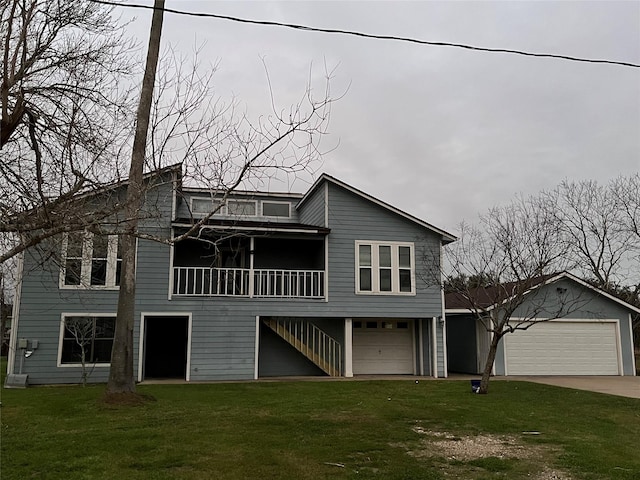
pixel 121 379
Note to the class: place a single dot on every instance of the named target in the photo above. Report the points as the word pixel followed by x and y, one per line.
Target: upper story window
pixel 241 207
pixel 204 206
pixel 90 260
pixel 276 209
pixel 201 206
pixel 386 268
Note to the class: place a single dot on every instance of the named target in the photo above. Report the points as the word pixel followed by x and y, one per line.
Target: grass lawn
pixel 315 430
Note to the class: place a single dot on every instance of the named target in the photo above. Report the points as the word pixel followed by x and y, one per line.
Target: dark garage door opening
pixel 165 347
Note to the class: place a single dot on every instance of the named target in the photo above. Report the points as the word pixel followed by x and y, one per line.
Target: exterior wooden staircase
pixel 324 351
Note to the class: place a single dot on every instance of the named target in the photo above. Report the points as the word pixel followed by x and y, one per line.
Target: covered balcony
pixel 256 266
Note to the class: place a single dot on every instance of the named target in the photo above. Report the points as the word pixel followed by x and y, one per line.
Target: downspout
pixel 443 318
pixel 444 346
pixel 326 243
pixel 256 348
pixel 171 273
pixel 434 347
pixel 421 342
pixel 15 315
pixel 633 348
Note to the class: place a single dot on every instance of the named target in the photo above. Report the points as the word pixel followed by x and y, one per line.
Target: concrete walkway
pixel 621 386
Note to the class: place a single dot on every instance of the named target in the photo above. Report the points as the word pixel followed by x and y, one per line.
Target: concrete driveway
pixel 622 386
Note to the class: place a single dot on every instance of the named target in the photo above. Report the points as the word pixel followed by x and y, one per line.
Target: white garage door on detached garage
pixel 383 347
pixel 564 347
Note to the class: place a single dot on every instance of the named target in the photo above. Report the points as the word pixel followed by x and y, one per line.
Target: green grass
pixel 298 430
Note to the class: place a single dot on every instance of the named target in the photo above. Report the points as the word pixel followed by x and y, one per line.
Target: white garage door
pixel 383 347
pixel 563 348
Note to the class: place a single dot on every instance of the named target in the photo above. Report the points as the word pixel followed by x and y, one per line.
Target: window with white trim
pixel 241 207
pixel 93 334
pixel 204 206
pixel 90 260
pixel 276 209
pixel 386 268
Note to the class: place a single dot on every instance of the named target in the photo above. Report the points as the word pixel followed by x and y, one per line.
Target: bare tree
pixel 495 270
pixel 220 150
pixel 83 331
pixel 65 111
pixel 66 125
pixel 626 192
pixel 598 223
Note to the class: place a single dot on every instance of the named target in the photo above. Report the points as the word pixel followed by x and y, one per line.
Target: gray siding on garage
pixel 223 328
pixel 586 304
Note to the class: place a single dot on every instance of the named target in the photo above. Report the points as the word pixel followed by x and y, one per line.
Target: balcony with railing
pixel 250 267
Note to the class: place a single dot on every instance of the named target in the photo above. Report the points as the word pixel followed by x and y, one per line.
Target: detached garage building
pixel 596 338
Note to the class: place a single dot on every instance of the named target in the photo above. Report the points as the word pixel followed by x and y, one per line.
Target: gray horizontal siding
pixel 224 329
pixel 353 218
pixel 312 211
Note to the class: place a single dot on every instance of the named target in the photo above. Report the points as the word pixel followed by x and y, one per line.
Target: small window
pixel 364 254
pixel 388 325
pixel 357 324
pixel 372 324
pixel 73 260
pixel 404 269
pixel 204 206
pixel 241 207
pixel 403 325
pixel 276 209
pixel 384 258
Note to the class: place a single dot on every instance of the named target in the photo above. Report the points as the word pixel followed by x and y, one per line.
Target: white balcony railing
pixel 244 282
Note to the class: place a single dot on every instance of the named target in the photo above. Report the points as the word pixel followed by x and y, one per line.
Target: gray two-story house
pixel 327 282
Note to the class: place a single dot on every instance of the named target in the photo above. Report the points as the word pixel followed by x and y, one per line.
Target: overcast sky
pixel 440 132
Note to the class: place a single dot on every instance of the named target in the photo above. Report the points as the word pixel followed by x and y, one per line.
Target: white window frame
pixel 375 267
pixel 242 200
pixel 288 204
pixel 86 264
pixel 65 315
pixel 212 202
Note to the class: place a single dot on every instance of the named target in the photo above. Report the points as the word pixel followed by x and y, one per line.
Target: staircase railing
pixel 323 350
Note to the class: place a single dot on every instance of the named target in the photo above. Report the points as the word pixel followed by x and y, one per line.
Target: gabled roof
pixel 446 237
pixel 484 297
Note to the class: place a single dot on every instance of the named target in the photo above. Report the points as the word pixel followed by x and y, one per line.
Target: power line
pixel 370 35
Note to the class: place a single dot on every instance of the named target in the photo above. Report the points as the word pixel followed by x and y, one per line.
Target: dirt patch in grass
pixel 466 453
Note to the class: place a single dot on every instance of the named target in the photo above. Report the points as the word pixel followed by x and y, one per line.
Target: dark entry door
pixel 165 350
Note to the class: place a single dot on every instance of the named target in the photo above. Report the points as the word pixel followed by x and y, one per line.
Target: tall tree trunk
pixel 488 367
pixel 121 379
pixel 3 313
